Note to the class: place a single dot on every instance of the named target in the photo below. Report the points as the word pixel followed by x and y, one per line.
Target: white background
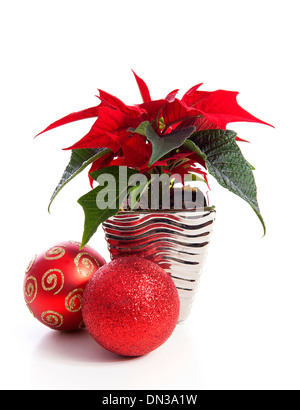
pixel 243 331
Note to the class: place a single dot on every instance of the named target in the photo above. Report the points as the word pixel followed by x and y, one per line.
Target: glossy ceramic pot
pixel 175 240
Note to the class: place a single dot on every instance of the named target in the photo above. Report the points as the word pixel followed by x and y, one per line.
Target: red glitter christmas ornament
pixel 54 284
pixel 130 306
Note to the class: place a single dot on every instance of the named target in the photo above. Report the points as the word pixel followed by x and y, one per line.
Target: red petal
pixel 185 169
pixel 223 108
pixel 180 155
pixel 145 168
pixel 199 171
pixel 109 130
pixel 219 107
pixel 114 102
pixel 179 171
pixel 136 151
pixel 153 107
pixel 171 96
pixel 177 111
pixel 202 123
pixel 196 168
pixel 75 116
pixel 100 163
pixel 191 91
pixel 196 159
pixel 240 139
pixel 93 139
pixel 143 88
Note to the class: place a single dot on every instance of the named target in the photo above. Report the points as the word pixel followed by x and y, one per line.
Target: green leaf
pixel 162 145
pixel 80 159
pixel 97 210
pixel 191 146
pixel 226 163
pixel 137 191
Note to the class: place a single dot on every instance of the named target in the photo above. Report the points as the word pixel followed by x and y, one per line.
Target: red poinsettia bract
pixel 115 124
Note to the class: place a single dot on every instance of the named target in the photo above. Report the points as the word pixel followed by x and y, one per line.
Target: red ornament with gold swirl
pixel 54 284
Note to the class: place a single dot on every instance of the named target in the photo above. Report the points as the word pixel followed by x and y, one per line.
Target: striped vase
pixel 175 240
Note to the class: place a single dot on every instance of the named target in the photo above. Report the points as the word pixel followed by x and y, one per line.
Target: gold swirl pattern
pixel 29 266
pixel 50 280
pixel 88 262
pixel 73 300
pixel 55 252
pixel 51 318
pixel 75 243
pixel 30 289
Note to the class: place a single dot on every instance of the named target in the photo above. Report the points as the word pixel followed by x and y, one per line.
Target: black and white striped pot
pixel 175 240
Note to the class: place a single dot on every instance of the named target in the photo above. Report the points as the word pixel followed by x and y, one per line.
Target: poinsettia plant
pixel 166 136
